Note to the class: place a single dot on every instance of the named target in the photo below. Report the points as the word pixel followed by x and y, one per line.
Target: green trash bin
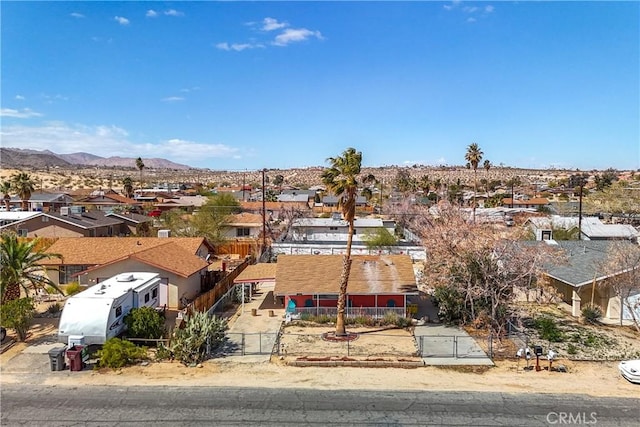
pixel 56 358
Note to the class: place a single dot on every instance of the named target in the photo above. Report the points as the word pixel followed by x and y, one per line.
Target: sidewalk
pixel 258 331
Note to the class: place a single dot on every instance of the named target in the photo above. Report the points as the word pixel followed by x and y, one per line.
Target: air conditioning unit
pixel 164 233
pixel 125 277
pixel 64 211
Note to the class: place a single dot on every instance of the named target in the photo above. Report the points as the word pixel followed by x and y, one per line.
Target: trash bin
pixel 56 358
pixel 75 358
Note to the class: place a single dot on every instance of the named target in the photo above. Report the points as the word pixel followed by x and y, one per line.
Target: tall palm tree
pixel 474 156
pixel 20 260
pixel 23 185
pixel 127 186
pixel 341 178
pixel 5 188
pixel 140 166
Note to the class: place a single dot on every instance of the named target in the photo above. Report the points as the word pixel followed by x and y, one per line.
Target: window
pixel 242 232
pixel 333 228
pixel 326 296
pixel 146 297
pixel 119 311
pixel 67 273
pixel 22 232
pixel 154 293
pixel 45 218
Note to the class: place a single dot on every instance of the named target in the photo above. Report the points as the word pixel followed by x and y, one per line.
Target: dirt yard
pixel 593 378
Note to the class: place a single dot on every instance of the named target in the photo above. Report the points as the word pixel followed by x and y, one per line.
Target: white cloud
pixel 471 20
pixel 151 13
pixel 190 89
pixel 270 24
pixel 238 47
pixel 25 113
pixel 20 98
pixel 173 99
pixel 489 9
pixel 173 12
pixel 470 9
pixel 291 35
pixel 107 141
pixel 121 20
pixel 447 7
pixel 77 15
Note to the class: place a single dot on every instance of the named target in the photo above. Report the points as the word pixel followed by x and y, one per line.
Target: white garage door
pixel 633 302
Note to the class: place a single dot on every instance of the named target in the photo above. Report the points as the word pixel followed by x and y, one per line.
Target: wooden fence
pixel 204 301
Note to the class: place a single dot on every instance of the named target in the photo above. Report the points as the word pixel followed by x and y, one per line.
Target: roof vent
pixel 125 277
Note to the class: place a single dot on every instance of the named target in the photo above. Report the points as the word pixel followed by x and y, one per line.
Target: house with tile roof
pixel 579 278
pixel 243 226
pixel 181 262
pixel 377 284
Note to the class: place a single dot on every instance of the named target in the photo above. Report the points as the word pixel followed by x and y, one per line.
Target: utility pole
pixel 264 214
pixel 580 210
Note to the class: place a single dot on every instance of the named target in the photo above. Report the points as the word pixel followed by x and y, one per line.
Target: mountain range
pixel 15 158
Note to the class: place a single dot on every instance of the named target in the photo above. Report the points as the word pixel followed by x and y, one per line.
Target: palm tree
pixel 5 188
pixel 140 166
pixel 23 185
pixel 473 156
pixel 127 186
pixel 20 260
pixel 341 178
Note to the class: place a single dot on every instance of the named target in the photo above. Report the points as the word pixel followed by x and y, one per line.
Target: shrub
pixel 163 352
pixel 572 349
pixel 116 353
pixel 54 308
pixel 72 288
pixel 592 313
pixel 548 329
pixel 144 322
pixel 17 314
pixel 201 334
pixel 450 303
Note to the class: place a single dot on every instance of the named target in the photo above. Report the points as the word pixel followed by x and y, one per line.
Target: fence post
pixel 455 346
pixel 242 343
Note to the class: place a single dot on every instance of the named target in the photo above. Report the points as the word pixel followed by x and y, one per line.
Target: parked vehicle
pixel 630 370
pixel 97 313
pixel 155 213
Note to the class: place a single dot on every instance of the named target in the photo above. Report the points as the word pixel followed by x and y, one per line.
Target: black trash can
pixel 56 358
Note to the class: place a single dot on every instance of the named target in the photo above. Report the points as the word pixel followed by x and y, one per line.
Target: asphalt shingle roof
pixel 320 274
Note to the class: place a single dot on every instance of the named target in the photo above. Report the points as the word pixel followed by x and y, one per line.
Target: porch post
pixel 405 305
pixel 242 312
pixel 377 314
pixel 575 306
pixel 317 305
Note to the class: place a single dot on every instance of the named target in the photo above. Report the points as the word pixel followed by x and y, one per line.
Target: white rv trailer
pixel 97 313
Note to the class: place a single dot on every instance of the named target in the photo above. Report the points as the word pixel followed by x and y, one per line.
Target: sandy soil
pixel 592 378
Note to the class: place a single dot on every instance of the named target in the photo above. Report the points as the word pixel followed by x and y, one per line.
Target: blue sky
pixel 249 85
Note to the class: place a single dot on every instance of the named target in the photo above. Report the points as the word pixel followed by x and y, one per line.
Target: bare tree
pixel 622 268
pixel 478 264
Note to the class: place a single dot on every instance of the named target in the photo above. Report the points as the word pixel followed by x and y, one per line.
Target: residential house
pixel 580 280
pixel 132 223
pixel 535 203
pixel 331 204
pixel 243 226
pixel 186 203
pixel 182 263
pixel 377 284
pixel 70 222
pixel 328 236
pixel 107 201
pixel 45 202
pixel 592 228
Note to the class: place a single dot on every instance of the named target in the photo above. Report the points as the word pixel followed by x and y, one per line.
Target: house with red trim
pixel 378 284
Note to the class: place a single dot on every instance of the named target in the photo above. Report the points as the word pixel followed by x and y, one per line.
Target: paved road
pixel 186 406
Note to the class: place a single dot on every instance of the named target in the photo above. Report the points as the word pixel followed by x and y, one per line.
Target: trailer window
pixel 154 293
pixel 119 311
pixel 146 297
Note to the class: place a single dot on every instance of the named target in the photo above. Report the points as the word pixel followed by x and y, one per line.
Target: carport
pixel 254 275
